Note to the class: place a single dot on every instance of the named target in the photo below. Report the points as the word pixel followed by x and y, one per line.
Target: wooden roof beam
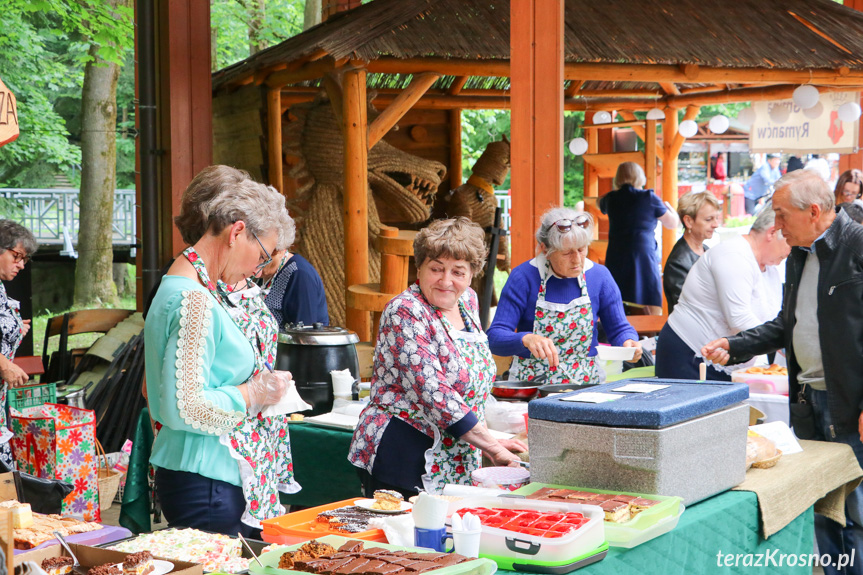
pixel 669 88
pixel 779 92
pixel 457 84
pixel 399 106
pixel 573 88
pixel 629 116
pixel 309 71
pixel 627 72
pixel 677 142
pixel 333 86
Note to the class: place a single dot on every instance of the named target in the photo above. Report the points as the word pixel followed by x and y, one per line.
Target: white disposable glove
pixel 267 388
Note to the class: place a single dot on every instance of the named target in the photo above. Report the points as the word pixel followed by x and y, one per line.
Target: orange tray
pixel 303 525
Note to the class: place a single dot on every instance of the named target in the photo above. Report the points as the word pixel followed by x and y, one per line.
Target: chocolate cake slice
pixel 385 569
pixel 57 565
pixel 351 546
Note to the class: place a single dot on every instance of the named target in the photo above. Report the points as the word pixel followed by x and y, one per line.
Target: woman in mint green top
pixel 205 350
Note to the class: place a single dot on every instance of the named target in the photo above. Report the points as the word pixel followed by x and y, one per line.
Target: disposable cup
pixel 466 542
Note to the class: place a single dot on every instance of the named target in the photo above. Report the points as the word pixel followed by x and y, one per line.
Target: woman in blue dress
pixel 632 255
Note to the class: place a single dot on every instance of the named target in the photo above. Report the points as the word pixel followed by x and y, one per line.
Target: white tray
pixel 334 420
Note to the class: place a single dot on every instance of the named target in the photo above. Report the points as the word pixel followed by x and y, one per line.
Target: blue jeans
pixel 833 539
pixel 192 500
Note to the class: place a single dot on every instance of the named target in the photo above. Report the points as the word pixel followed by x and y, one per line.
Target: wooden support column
pixel 356 193
pixel 274 138
pixel 536 56
pixel 669 177
pixel 455 169
pixel 650 154
pixel 853 161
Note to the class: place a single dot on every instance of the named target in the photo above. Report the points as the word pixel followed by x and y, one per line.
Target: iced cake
pixel 57 565
pixel 618 508
pixel 106 569
pixel 139 563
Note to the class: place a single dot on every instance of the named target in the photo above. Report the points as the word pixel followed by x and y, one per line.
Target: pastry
pixel 639 504
pixel 106 569
pixel 22 515
pixel 140 563
pixel 616 511
pixel 57 565
pixel 387 500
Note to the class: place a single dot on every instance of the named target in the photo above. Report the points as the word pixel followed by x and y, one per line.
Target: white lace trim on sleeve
pixel 195 409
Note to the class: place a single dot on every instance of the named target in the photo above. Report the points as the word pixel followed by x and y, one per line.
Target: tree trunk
pixel 257 13
pixel 312 14
pixel 94 281
pixel 214 42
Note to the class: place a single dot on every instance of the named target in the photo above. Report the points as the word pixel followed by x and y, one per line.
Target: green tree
pixel 239 25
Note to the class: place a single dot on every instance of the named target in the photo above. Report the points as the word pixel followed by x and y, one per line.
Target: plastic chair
pixel 60 365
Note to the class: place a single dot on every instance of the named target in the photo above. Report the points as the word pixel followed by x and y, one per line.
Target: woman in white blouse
pixel 734 286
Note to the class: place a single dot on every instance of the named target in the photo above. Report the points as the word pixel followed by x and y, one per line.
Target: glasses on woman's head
pixel 566 224
pixel 265 255
pixel 18 256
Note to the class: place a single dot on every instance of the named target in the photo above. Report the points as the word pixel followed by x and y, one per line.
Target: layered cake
pixel 387 500
pixel 349 519
pixel 57 565
pixel 140 563
pixel 216 552
pixel 22 514
pixel 618 508
pixel 106 569
pixel 353 558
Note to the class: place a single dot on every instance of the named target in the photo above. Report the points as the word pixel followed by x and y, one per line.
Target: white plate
pixel 336 420
pixel 160 567
pixel 367 504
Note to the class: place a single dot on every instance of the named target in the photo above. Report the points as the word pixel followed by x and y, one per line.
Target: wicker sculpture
pixel 404 183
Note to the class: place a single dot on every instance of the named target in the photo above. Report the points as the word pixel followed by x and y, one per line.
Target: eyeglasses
pixel 19 257
pixel 565 225
pixel 269 258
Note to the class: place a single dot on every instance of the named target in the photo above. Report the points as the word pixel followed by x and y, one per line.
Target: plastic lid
pixel 500 475
pixel 316 334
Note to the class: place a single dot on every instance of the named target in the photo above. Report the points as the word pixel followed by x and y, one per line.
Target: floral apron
pixel 570 327
pixel 452 460
pixel 11 335
pixel 261 445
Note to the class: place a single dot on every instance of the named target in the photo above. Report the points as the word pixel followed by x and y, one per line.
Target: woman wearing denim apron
pixel 424 424
pixel 548 309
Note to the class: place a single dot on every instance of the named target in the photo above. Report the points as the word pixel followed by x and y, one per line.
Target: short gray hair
pixel 806 188
pixel 287 232
pixel 553 239
pixel 765 218
pixel 629 173
pixel 13 233
pixel 457 238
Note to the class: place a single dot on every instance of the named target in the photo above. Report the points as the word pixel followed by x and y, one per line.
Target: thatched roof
pixel 764 34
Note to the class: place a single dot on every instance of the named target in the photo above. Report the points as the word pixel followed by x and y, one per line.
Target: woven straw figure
pixel 475 198
pixel 405 183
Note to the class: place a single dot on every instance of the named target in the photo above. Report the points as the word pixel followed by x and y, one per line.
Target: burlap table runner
pixel 823 474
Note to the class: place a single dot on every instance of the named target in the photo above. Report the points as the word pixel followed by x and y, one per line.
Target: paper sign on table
pixel 593 397
pixel 780 434
pixel 640 388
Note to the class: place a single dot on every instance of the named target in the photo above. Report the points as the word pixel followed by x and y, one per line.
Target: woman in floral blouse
pixel 433 371
pixel 17 244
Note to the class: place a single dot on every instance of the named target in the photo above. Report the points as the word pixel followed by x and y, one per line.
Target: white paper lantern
pixel 849 111
pixel 578 146
pixel 602 117
pixel 655 114
pixel 815 111
pixel 779 113
pixel 687 128
pixel 746 116
pixel 718 124
pixel 805 96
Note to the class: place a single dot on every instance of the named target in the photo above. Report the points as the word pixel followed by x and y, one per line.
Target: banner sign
pixel 8 115
pixel 781 126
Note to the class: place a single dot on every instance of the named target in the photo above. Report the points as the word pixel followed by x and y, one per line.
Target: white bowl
pixel 611 353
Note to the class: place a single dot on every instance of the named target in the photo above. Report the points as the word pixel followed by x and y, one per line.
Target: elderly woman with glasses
pixel 546 316
pixel 17 244
pixel 221 456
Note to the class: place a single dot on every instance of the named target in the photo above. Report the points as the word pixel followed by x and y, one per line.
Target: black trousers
pixel 192 500
pixel 675 359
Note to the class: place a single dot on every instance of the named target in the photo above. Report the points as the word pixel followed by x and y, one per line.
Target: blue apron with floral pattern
pixel 261 445
pixel 570 327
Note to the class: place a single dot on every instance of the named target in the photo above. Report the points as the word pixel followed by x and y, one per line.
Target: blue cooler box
pixel 686 440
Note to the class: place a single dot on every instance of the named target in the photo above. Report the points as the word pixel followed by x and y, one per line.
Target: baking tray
pixel 270 560
pixel 302 525
pixel 647 525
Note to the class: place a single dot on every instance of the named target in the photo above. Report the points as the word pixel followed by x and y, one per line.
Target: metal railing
pixel 53 215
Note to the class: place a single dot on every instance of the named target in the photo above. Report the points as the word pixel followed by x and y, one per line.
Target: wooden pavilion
pixel 449 55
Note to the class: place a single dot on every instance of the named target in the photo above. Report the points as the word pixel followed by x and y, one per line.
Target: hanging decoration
pixel 687 128
pixel 655 114
pixel 746 116
pixel 602 117
pixel 779 112
pixel 718 124
pixel 814 112
pixel 805 96
pixel 849 112
pixel 578 146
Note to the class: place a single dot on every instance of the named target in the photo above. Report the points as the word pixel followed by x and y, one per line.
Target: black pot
pixel 310 353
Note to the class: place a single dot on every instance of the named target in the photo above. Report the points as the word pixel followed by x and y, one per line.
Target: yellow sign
pixel 8 115
pixel 780 126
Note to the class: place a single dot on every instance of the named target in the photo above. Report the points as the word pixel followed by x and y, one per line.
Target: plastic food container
pixel 762 383
pixel 612 353
pixel 506 478
pixel 301 526
pixel 510 548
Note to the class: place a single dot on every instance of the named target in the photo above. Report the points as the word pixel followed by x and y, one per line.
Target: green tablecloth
pixel 321 466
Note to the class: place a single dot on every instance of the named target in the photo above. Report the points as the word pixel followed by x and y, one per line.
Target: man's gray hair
pixel 553 239
pixel 806 188
pixel 765 219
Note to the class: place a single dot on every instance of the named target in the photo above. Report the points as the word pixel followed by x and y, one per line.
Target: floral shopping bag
pixel 58 442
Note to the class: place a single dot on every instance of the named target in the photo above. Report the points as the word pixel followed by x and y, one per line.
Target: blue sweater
pixel 515 310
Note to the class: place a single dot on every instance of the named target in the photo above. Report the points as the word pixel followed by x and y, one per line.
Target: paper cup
pixel 466 542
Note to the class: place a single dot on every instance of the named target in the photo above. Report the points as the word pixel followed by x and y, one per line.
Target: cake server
pixel 246 543
pixel 76 566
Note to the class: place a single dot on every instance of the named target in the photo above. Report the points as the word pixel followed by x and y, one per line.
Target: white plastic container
pixel 612 353
pixel 506 478
pixel 530 549
pixel 762 383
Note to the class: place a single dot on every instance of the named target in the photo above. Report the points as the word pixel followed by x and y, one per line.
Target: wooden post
pixel 455 169
pixel 274 138
pixel 356 194
pixel 650 154
pixel 536 56
pixel 669 174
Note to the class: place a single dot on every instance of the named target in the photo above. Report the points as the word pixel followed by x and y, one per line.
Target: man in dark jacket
pixel 821 328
